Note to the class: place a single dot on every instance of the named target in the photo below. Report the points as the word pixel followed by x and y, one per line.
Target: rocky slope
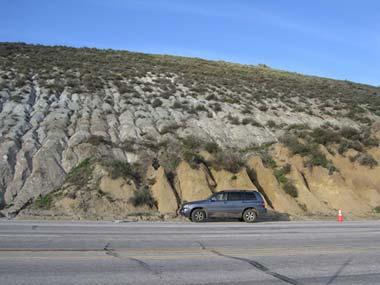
pixel 92 133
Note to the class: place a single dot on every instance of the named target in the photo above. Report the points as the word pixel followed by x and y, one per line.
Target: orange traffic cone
pixel 340 216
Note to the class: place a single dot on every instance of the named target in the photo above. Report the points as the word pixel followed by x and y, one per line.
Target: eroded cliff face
pixel 353 189
pixel 183 121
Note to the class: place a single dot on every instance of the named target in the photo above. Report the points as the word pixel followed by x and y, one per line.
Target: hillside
pixel 91 133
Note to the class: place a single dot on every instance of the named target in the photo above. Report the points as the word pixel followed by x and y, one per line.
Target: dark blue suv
pixel 246 205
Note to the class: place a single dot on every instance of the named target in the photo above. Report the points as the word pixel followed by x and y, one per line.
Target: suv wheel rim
pixel 199 216
pixel 250 216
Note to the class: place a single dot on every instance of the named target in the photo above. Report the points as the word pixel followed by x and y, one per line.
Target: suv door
pixel 234 203
pixel 217 205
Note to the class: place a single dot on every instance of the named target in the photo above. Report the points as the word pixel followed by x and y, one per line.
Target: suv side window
pixel 220 197
pixel 235 196
pixel 249 196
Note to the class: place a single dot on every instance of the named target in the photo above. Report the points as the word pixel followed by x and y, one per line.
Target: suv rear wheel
pixel 198 216
pixel 249 215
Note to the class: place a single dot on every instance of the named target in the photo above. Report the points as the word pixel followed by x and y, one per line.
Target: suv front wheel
pixel 249 216
pixel 198 216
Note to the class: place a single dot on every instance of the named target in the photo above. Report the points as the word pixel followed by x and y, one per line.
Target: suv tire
pixel 198 216
pixel 249 215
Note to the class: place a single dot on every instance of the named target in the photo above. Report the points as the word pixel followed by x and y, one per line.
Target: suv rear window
pixel 249 196
pixel 235 196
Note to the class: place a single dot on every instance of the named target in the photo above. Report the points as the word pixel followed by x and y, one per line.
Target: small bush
pixel 156 103
pixel 16 98
pixel 171 128
pixel 325 136
pixel 271 124
pixel 292 143
pixel 211 147
pixel 267 159
pixel 193 158
pixel 367 160
pixel 298 127
pixel 280 173
pixel 201 108
pixel 263 108
pixel 377 209
pixel 317 159
pixel 233 120
pixel 250 121
pixel 280 176
pixel 211 97
pixel 350 133
pixel 216 107
pixel 370 142
pixel 178 105
pixel 142 197
pixel 118 168
pixel 43 202
pixel 98 140
pixel 228 160
pixel 80 174
pixel 170 159
pixel 192 142
pixel 348 144
pixel 290 189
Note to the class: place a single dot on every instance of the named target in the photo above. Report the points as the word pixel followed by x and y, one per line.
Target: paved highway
pixel 49 252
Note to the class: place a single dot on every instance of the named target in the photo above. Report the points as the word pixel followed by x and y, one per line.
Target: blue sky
pixel 338 39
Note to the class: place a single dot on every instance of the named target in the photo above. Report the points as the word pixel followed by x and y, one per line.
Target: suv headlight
pixel 185 207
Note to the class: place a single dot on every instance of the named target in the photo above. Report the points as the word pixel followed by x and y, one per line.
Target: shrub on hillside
pixel 298 127
pixel 271 124
pixel 325 136
pixel 211 147
pixel 291 189
pixel 156 103
pixel 293 144
pixel 118 168
pixel 142 197
pixel 201 108
pixel 98 140
pixel 233 120
pixel 228 160
pixel 281 173
pixel 367 160
pixel 192 142
pixel 348 144
pixel 267 159
pixel 216 107
pixel 350 133
pixel 43 202
pixel 80 174
pixel 250 121
pixel 317 158
pixel 192 157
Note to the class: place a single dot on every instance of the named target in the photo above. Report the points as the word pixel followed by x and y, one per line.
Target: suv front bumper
pixel 185 212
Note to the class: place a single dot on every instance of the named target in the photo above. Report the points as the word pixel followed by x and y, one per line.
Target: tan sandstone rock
pixel 226 180
pixel 163 193
pixel 192 184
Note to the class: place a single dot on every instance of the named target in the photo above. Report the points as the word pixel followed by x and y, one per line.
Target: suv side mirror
pixel 212 199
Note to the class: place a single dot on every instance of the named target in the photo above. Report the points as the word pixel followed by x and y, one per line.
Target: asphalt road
pixel 184 253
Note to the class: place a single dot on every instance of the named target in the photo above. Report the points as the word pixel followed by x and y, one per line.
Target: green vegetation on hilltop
pixel 88 70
